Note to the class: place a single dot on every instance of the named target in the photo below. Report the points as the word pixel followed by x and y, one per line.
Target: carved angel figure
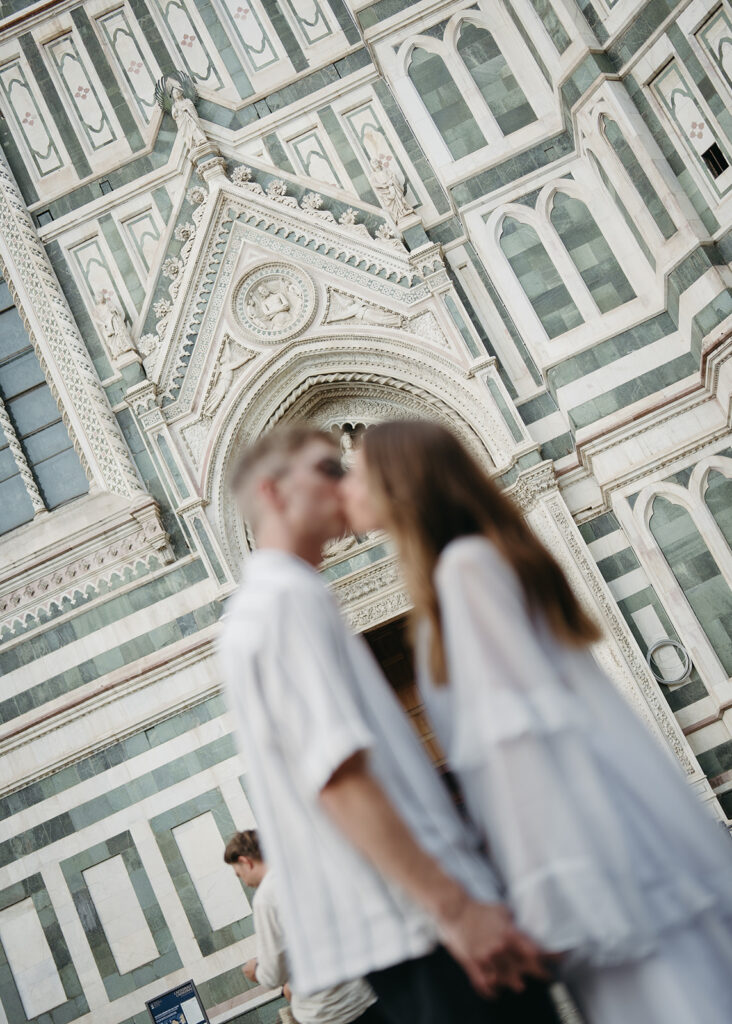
pixel 389 188
pixel 114 327
pixel 348 307
pixel 230 361
pixel 176 96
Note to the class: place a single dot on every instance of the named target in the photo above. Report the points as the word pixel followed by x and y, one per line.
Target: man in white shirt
pixel 352 1002
pixel 378 876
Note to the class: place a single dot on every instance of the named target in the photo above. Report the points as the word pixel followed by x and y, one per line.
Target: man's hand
pixel 250 970
pixel 494 953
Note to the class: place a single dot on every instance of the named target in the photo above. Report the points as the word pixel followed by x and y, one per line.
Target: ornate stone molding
pixel 20 460
pixel 77 566
pixel 69 371
pixel 372 596
pixel 532 484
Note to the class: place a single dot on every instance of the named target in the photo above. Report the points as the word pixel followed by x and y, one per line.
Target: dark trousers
pixel 372 1015
pixel 434 989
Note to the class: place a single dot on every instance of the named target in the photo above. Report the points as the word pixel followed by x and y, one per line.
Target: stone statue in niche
pixel 389 187
pixel 177 95
pixel 348 307
pixel 233 357
pixel 349 440
pixel 274 304
pixel 113 325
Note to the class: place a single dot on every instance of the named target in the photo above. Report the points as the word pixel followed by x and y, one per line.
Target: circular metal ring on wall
pixel 681 650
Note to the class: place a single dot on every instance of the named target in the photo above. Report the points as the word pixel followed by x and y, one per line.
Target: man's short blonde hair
pixel 275 448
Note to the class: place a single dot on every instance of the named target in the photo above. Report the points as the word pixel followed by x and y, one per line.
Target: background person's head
pixel 286 486
pixel 415 479
pixel 244 854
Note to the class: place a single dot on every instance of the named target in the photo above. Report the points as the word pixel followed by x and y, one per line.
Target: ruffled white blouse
pixel 598 839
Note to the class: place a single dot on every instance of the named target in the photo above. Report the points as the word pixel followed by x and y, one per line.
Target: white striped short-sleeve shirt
pixel 307 695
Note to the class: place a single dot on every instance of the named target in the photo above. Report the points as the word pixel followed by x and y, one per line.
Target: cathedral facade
pixel 219 215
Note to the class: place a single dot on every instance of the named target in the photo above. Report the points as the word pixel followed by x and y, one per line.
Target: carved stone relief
pixel 232 357
pixel 344 308
pixel 274 303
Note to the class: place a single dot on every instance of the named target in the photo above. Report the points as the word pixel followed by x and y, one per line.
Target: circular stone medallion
pixel 274 302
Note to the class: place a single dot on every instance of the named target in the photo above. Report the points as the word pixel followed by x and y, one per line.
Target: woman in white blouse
pixel 608 859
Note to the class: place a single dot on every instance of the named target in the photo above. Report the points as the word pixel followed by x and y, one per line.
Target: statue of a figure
pixel 348 307
pixel 186 118
pixel 389 188
pixel 341 545
pixel 114 326
pixel 274 303
pixel 176 95
pixel 228 363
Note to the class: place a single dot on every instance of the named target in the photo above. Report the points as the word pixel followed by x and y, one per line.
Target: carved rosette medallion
pixel 274 302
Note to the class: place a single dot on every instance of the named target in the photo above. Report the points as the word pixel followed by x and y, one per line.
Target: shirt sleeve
pixel 530 778
pixel 316 695
pixel 272 968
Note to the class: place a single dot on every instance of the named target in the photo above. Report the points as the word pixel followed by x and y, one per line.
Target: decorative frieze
pixel 80 565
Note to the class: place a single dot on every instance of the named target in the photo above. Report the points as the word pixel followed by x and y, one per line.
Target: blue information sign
pixel 181 1005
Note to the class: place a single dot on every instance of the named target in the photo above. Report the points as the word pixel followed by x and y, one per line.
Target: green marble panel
pixel 33 887
pixel 167 960
pixel 209 940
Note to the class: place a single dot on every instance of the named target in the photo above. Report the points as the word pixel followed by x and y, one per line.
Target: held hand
pixel 494 953
pixel 250 970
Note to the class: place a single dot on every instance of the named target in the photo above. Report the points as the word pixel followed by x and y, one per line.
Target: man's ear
pixel 269 493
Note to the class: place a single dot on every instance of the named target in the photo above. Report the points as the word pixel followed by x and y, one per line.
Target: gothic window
pixel 494 78
pixel 696 571
pixel 695 126
pixel 630 221
pixel 444 102
pixel 590 253
pixel 716 39
pixel 39 468
pixel 538 277
pixel 718 499
pixel 638 176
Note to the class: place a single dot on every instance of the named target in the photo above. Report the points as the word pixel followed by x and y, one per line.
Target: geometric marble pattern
pixel 30 959
pixel 120 913
pixel 219 890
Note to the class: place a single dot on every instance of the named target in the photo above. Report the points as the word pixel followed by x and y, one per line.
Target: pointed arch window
pixel 538 277
pixel 718 499
pixel 444 102
pixel 39 468
pixel 696 571
pixel 590 252
pixel 639 178
pixel 490 72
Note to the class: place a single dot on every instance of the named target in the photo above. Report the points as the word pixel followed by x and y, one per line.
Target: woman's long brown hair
pixel 433 491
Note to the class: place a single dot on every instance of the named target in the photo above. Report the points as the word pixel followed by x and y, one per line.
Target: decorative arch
pixel 491 92
pixel 689 557
pixel 364 381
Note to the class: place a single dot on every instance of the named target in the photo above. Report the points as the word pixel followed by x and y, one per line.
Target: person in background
pixel 377 874
pixel 608 859
pixel 352 1002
